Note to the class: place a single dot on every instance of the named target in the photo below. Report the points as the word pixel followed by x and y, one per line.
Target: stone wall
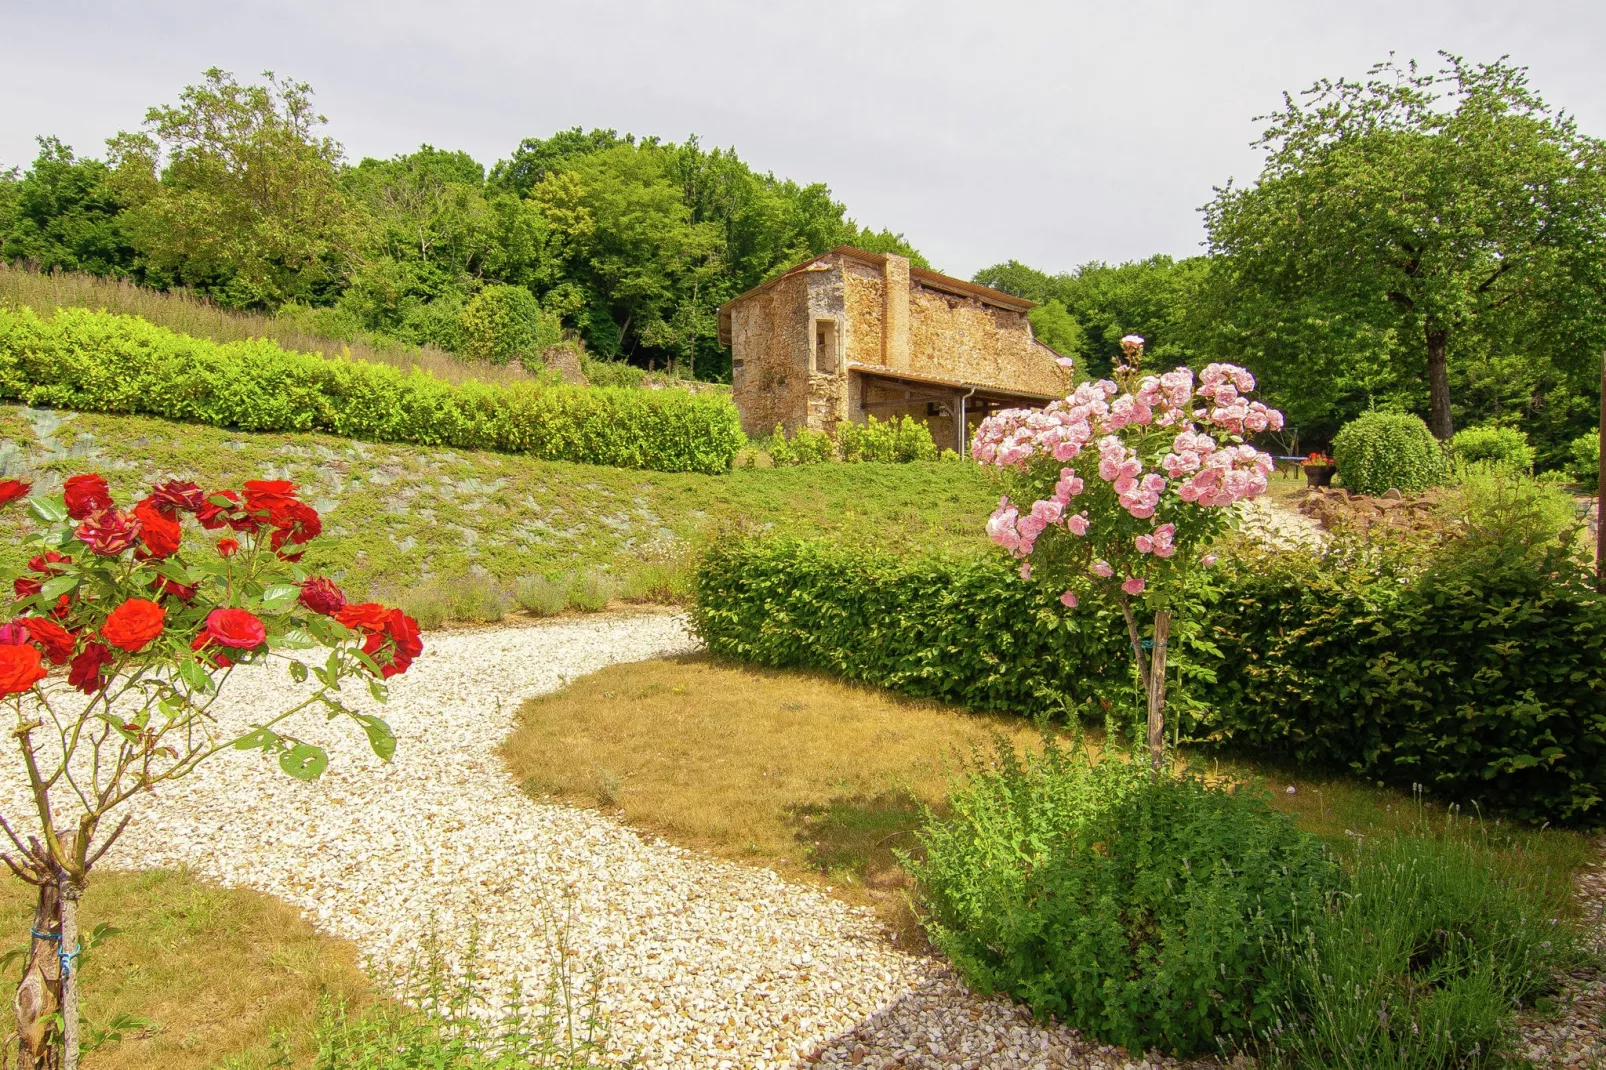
pixel 961 338
pixel 770 335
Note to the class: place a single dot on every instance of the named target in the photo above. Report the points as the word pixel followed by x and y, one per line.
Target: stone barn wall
pixel 770 382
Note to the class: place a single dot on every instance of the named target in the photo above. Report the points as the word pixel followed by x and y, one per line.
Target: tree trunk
pixel 1600 488
pixel 1156 690
pixel 1439 385
pixel 69 973
pixel 39 994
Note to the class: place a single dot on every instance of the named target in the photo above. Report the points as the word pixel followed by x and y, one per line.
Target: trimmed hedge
pixel 1379 451
pixel 969 632
pixel 99 362
pixel 1506 446
pixel 1481 676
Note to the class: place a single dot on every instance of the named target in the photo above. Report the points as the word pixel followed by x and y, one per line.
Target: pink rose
pixel 1076 524
pixel 1102 569
pixel 1133 586
pixel 1068 599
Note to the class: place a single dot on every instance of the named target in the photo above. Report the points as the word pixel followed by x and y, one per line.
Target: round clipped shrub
pixel 505 323
pixel 1503 446
pixel 1379 451
pixel 1137 908
pixel 1583 460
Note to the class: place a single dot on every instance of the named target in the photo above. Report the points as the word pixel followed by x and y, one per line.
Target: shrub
pixel 505 323
pixel 96 362
pixel 1478 671
pixel 891 441
pixel 1137 908
pixel 541 596
pixel 592 591
pixel 1584 460
pixel 1505 446
pixel 1490 500
pixel 1379 451
pixel 966 631
pixel 1422 961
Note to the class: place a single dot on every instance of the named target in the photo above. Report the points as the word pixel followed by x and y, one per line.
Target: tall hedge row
pixel 100 362
pixel 1481 677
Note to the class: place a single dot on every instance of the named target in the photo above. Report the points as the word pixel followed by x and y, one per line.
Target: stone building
pixel 849 334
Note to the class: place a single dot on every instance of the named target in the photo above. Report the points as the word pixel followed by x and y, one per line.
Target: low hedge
pixel 100 362
pixel 1480 676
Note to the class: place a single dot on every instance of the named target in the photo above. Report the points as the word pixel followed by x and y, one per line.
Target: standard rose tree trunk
pixel 1151 673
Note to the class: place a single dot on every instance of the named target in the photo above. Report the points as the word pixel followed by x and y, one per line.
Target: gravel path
pixel 703 963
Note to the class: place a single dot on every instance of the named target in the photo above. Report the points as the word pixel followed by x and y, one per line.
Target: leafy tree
pixel 64 215
pixel 535 158
pixel 1056 328
pixel 882 241
pixel 1407 223
pixel 234 192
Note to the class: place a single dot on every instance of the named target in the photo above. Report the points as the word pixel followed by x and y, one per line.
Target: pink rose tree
pixel 1123 487
pixel 122 631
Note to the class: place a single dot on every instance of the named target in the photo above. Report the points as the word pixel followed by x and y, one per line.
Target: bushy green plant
pixel 1422 962
pixel 612 373
pixel 1379 451
pixel 897 440
pixel 1584 460
pixel 542 596
pixel 1504 446
pixel 505 323
pixel 1135 907
pixel 96 362
pixel 592 590
pixel 804 447
pixel 1494 501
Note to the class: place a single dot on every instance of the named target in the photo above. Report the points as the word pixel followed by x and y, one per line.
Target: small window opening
pixel 825 347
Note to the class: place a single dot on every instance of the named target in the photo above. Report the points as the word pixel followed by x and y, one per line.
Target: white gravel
pixel 703 963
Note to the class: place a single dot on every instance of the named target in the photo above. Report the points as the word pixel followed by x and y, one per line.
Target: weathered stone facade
pixel 850 334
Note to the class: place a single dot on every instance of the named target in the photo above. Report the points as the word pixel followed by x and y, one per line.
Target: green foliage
pixel 1584 459
pixel 1406 228
pixel 1136 908
pixel 1055 327
pixel 505 323
pixel 1474 670
pixel 64 215
pixel 804 447
pixel 95 362
pixel 965 631
pixel 1423 960
pixel 1496 502
pixel 1378 451
pixel 541 596
pixel 1505 446
pixel 893 441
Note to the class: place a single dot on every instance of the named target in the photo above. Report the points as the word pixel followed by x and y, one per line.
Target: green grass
pixel 423 523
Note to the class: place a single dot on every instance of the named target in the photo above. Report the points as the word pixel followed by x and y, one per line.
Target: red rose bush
pixel 123 630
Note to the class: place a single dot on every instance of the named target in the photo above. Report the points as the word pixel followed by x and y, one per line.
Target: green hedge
pixel 1482 677
pixel 963 631
pixel 99 362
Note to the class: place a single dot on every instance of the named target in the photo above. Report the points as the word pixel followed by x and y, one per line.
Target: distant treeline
pixel 234 193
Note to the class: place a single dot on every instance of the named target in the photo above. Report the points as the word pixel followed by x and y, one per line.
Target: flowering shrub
pixel 124 629
pixel 1123 485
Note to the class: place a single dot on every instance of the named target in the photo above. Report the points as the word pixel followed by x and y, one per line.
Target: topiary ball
pixel 1380 451
pixel 1504 446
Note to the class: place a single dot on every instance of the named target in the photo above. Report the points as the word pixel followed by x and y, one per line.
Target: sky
pixel 1054 133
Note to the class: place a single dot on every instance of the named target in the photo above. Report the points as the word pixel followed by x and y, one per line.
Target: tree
pixel 234 192
pixel 1406 216
pixel 65 215
pixel 1056 328
pixel 149 630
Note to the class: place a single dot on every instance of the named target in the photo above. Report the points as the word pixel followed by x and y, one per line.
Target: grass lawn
pixel 400 517
pixel 212 976
pixel 824 780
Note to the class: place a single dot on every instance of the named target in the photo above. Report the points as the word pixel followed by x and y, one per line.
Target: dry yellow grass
pixel 216 973
pixel 805 774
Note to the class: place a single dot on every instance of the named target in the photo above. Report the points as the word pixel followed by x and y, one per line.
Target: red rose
pixel 157 529
pixel 109 531
pixel 56 640
pixel 25 587
pixel 322 596
pixel 183 592
pixel 12 489
pixel 63 605
pixel 365 617
pixel 132 625
pixel 45 563
pixel 19 669
pixel 218 660
pixel 174 496
pixel 219 509
pixel 266 495
pixel 295 523
pixel 85 673
pixel 235 628
pixel 401 636
pixel 86 494
pixel 227 547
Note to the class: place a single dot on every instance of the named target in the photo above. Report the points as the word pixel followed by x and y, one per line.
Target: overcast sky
pixel 1050 132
